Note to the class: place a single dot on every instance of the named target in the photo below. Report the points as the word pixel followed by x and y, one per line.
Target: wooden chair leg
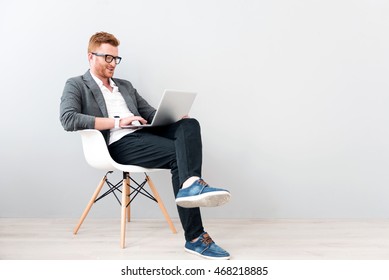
pixel 128 199
pixel 161 205
pixel 89 206
pixel 123 208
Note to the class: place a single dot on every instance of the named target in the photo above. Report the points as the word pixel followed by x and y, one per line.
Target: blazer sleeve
pixel 71 115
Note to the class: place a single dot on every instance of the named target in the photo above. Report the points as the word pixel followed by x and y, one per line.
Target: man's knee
pixel 190 123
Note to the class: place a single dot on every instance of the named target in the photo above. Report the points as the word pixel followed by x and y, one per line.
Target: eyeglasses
pixel 108 57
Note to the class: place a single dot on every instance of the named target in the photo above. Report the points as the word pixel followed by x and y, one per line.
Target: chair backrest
pixel 95 149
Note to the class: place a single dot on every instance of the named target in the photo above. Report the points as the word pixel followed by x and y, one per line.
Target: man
pixel 96 100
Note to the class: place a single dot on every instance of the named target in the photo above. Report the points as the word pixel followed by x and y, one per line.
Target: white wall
pixel 293 99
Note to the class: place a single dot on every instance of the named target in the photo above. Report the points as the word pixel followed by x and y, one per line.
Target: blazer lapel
pixel 96 92
pixel 127 97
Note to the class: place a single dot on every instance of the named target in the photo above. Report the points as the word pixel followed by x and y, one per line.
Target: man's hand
pixel 132 120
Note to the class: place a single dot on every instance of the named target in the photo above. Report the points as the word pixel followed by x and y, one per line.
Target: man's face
pixel 99 67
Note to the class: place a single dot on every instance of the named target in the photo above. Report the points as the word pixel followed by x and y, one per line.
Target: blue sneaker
pixel 205 247
pixel 200 194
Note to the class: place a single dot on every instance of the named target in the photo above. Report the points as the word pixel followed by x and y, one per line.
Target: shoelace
pixel 207 239
pixel 202 182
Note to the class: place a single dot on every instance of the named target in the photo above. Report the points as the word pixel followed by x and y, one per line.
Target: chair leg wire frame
pixel 126 199
pixel 136 190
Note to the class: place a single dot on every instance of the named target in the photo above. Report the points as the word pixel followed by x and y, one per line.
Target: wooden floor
pixel 44 239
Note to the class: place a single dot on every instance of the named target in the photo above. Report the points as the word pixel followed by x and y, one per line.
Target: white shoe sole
pixel 211 199
pixel 206 257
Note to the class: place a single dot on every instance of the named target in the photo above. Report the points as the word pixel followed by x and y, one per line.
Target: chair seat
pixel 135 168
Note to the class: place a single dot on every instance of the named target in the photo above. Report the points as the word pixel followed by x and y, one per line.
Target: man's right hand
pixel 132 121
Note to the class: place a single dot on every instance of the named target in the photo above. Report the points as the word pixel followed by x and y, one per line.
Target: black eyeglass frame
pixel 108 58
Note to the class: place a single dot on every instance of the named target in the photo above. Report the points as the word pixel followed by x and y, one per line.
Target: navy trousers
pixel 177 147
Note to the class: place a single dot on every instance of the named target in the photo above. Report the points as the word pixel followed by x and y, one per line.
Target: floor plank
pixel 245 239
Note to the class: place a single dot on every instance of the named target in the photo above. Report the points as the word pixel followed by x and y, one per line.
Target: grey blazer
pixel 82 101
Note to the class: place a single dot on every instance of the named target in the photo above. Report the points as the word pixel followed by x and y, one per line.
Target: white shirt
pixel 116 106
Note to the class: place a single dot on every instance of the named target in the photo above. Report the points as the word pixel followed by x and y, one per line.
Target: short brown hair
pixel 100 38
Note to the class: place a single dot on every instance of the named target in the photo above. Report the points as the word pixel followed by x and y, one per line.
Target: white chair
pixel 97 155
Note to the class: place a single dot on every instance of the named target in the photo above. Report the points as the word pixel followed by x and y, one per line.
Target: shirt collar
pixel 100 83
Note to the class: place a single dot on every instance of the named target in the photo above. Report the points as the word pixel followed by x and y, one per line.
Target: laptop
pixel 174 105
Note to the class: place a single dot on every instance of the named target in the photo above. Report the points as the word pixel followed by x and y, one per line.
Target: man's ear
pixel 90 57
